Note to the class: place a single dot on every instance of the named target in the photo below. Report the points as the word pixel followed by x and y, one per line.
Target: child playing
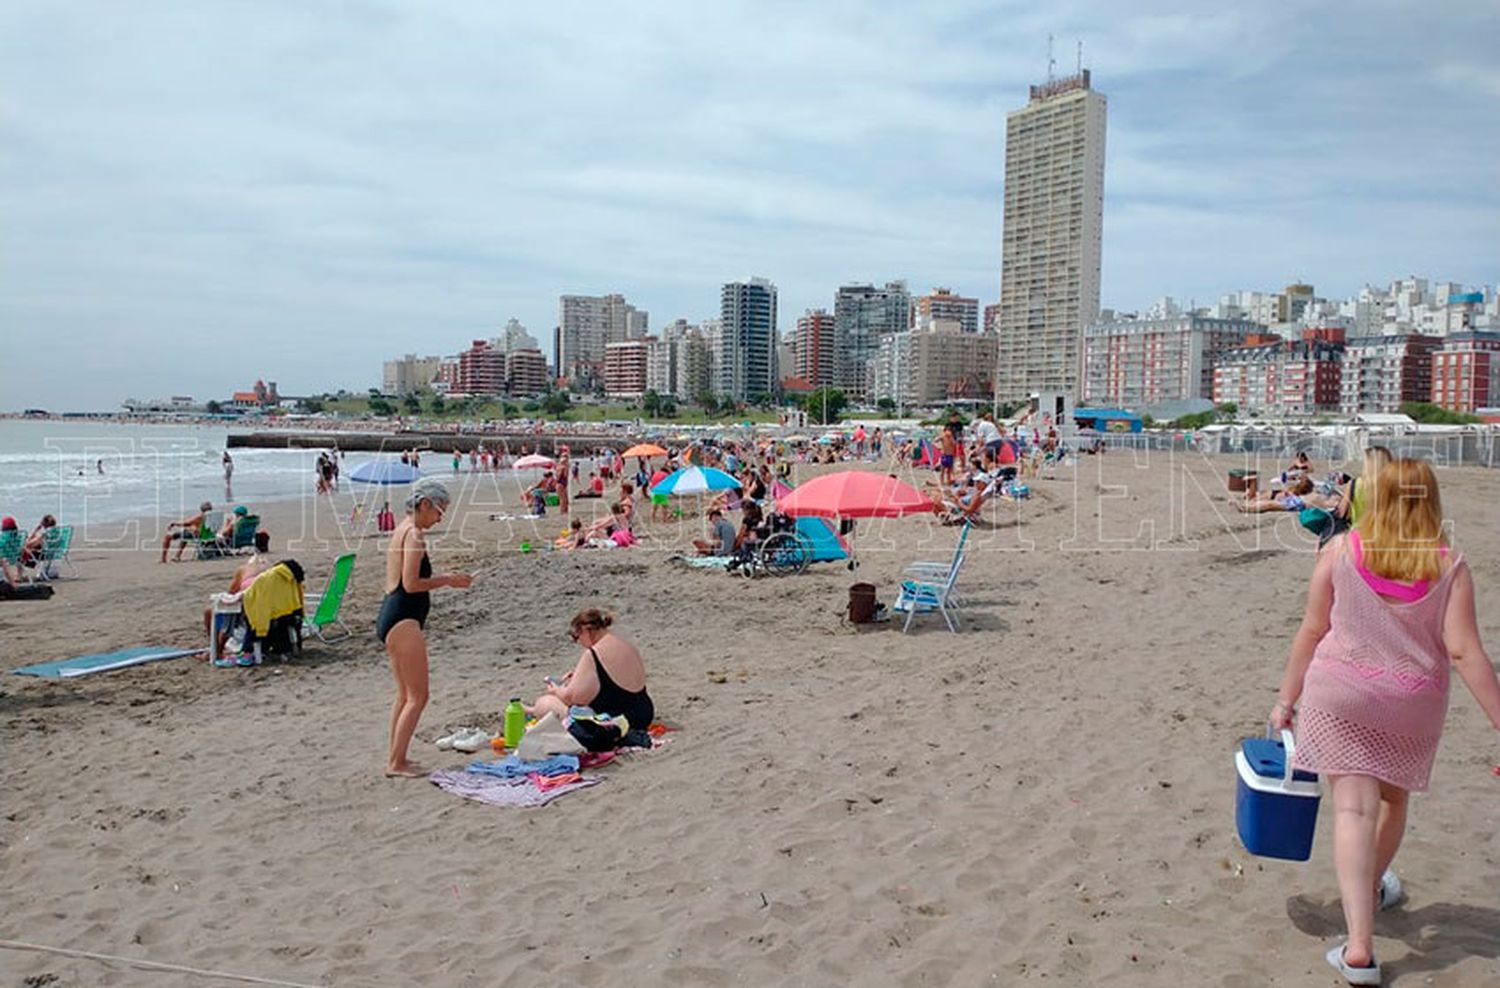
pixel 1389 611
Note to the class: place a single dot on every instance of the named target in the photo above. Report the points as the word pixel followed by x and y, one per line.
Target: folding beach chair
pixel 209 545
pixel 938 572
pixel 10 548
pixel 325 606
pixel 917 597
pixel 243 539
pixel 55 544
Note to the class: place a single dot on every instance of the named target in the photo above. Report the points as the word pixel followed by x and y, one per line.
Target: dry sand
pixel 1045 797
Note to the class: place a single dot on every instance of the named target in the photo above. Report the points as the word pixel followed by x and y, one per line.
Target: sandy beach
pixel 1046 797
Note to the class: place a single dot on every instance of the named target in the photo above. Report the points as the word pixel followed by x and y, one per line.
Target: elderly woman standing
pixel 409 581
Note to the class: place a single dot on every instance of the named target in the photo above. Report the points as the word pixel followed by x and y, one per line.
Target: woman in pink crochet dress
pixel 1389 610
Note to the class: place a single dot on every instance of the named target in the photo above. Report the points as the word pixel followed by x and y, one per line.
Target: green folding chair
pixel 55 544
pixel 326 605
pixel 10 549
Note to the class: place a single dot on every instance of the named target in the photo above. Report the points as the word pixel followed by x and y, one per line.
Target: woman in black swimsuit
pixel 609 677
pixel 403 613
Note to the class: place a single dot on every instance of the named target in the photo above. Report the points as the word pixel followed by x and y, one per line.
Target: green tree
pixel 1427 413
pixel 437 405
pixel 213 407
pixel 651 403
pixel 509 411
pixel 886 405
pixel 1227 408
pixel 761 400
pixel 556 403
pixel 379 406
pixel 311 406
pixel 413 404
pixel 825 405
pixel 668 408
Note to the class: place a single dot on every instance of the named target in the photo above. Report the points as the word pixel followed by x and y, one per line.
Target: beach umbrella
pixel 535 461
pixel 851 494
pixel 695 480
pixel 855 494
pixel 646 450
pixel 385 472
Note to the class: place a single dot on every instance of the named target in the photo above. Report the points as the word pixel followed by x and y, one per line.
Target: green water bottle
pixel 515 722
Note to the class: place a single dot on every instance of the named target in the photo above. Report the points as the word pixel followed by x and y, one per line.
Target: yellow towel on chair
pixel 275 593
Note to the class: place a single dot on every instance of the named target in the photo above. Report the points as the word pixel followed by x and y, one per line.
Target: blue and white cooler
pixel 1275 808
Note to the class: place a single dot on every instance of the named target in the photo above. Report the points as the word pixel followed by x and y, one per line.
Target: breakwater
pixel 438 442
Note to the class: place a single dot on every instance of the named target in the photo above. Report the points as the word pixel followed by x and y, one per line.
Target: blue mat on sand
pixel 84 665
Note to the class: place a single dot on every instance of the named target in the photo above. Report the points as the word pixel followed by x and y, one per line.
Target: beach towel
pixel 275 593
pixel 512 767
pixel 495 791
pixel 703 562
pixel 87 665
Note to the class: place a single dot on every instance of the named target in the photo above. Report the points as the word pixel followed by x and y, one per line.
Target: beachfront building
pixel 625 365
pixel 814 356
pixel 1052 237
pixel 586 324
pixel 526 372
pixel 991 318
pixel 409 374
pixel 932 364
pixel 1381 373
pixel 941 303
pixel 481 370
pixel 693 374
pixel 1132 362
pixel 747 340
pixel 862 316
pixel 1282 377
pixel 1466 372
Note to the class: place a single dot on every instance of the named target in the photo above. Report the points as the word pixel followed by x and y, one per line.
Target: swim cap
pixel 241 510
pixel 428 489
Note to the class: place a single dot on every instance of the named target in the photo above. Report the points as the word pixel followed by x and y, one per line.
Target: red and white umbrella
pixel 535 461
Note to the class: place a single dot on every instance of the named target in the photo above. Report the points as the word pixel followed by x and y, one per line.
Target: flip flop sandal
pixel 1354 975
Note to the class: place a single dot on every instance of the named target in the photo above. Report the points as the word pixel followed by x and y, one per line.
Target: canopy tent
pixel 823 537
pixel 385 472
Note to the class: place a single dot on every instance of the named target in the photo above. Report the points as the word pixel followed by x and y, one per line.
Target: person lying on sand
pixel 1297 495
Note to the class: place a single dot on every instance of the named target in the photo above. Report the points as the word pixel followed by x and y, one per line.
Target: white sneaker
pixel 1354 975
pixel 471 741
pixel 1390 894
pixel 445 743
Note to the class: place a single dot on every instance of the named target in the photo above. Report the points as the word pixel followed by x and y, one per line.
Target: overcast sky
pixel 196 194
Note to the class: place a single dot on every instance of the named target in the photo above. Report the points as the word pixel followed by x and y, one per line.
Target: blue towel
pixel 512 767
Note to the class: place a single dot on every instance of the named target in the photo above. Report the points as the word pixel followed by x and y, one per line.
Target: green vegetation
pixel 1427 413
pixel 825 405
pixel 556 405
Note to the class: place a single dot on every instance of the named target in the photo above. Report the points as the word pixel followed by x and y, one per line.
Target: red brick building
pixel 1299 377
pixel 1466 372
pixel 481 370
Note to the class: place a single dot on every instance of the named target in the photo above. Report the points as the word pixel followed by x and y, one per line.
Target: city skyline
pixel 331 187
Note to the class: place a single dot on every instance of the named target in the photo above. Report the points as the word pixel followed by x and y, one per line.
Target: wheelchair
pixel 778 550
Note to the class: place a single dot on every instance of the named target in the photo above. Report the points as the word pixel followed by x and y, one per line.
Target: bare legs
pixel 407 647
pixel 1369 821
pixel 545 704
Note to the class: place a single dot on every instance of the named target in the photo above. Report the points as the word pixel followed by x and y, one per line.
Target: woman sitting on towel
pixel 609 677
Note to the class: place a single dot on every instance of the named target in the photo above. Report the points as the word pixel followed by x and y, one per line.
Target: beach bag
pixel 545 738
pixel 27 591
pixel 598 735
pixel 1275 807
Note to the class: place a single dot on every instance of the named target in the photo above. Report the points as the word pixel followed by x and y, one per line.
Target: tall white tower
pixel 1053 237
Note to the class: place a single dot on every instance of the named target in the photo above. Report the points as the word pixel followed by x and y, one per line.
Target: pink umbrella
pixel 855 494
pixel 535 461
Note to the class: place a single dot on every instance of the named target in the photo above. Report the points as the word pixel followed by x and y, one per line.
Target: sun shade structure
pixel 647 450
pixel 535 461
pixel 854 494
pixel 696 480
pixel 385 472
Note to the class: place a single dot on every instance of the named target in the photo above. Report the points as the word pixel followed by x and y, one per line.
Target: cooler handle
pixel 1290 744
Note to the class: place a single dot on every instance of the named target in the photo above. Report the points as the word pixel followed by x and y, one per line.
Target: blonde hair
pixel 591 617
pixel 1402 529
pixel 1376 459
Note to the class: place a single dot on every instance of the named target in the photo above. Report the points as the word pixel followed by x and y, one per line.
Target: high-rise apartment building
pixel 748 340
pixel 1466 372
pixel 586 324
pixel 410 373
pixel 941 303
pixel 1381 373
pixel 526 372
pixel 1283 377
pixel 933 364
pixel 814 356
pixel 694 373
pixel 481 370
pixel 625 366
pixel 1168 356
pixel 862 315
pixel 1053 236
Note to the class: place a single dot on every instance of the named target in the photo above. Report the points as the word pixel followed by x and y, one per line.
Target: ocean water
pixel 91 472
